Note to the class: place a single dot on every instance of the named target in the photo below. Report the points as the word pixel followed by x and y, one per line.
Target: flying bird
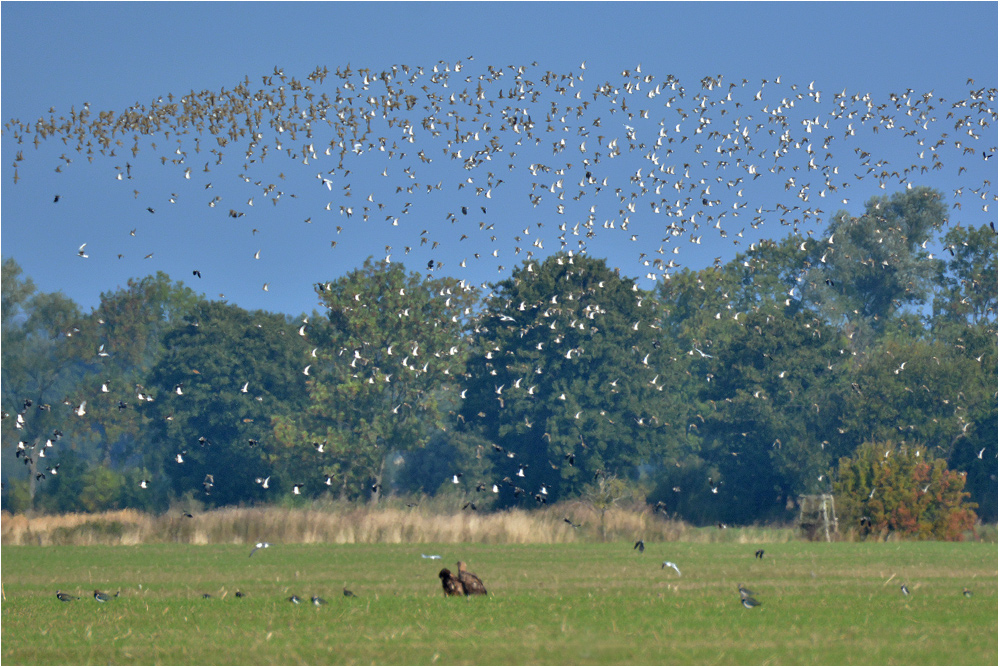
pixel 259 546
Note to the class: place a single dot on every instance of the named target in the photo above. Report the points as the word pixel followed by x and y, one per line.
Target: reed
pixel 346 524
pixel 342 523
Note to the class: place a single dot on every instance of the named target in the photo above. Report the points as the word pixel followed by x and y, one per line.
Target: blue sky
pixel 113 55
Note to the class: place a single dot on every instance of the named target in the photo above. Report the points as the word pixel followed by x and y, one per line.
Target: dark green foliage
pixel 210 356
pixel 390 351
pixel 727 392
pixel 568 362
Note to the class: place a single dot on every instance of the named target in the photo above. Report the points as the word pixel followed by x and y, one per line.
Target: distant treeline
pixel 720 396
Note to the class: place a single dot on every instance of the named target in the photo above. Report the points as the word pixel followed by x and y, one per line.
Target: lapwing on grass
pixel 101 597
pixel 294 599
pixel 317 601
pixel 66 598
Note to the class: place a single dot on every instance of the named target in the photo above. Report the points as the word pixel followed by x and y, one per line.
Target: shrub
pixel 884 488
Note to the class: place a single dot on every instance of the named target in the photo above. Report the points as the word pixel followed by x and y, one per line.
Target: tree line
pixel 719 396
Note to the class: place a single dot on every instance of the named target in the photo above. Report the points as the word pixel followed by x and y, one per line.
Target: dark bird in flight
pixel 759 554
pixel 639 545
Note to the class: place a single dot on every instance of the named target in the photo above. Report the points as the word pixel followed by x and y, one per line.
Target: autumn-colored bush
pixel 887 487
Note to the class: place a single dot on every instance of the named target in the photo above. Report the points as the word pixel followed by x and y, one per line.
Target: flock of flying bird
pixel 659 162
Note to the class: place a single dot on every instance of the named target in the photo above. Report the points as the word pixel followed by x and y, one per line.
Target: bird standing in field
pixel 450 583
pixel 966 592
pixel 317 601
pixel 348 593
pixel 904 589
pixel 294 599
pixel 747 597
pixel 66 598
pixel 101 597
pixel 471 583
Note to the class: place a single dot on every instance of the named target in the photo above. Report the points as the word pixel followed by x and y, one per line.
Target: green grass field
pixel 834 603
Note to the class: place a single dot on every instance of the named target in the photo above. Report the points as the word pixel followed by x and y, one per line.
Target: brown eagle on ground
pixel 470 581
pixel 451 584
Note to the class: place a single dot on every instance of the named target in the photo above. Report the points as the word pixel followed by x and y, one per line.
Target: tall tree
pixel 568 378
pixel 41 373
pixel 225 375
pixel 391 348
pixel 871 266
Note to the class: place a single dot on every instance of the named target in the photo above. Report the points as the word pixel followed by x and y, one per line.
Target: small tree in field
pixel 888 488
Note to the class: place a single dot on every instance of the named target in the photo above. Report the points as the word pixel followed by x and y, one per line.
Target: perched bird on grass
pixel 294 599
pixel 750 602
pixel 744 592
pixel 66 598
pixel 904 589
pixel 471 583
pixel 966 592
pixel 348 593
pixel 450 583
pixel 317 601
pixel 101 597
pixel 239 594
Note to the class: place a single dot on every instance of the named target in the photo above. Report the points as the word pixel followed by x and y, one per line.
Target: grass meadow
pixel 562 603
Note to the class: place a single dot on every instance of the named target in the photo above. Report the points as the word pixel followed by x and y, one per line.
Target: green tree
pixel 225 375
pixel 122 339
pixel 871 266
pixel 41 374
pixel 389 353
pixel 567 378
pixel 967 287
